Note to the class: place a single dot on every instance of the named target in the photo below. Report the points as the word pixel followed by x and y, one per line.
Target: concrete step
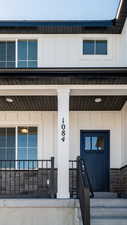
pixel 106 203
pixel 105 195
pixel 108 211
pixel 109 222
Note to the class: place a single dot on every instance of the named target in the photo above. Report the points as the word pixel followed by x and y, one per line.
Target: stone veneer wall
pixel 33 183
pixel 27 183
pixel 118 180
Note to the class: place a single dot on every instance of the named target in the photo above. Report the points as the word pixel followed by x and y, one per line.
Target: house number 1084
pixel 63 133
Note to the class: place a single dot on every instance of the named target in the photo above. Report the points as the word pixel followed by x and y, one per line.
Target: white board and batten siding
pixel 65 50
pixel 83 120
pixel 44 121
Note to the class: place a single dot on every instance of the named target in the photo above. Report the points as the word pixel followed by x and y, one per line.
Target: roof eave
pixel 113 26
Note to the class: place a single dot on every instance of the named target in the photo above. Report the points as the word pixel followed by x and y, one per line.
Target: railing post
pixel 86 212
pixel 84 193
pixel 77 175
pixel 52 179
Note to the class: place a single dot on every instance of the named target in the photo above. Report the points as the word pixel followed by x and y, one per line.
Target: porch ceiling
pixel 87 103
pixel 29 103
pixel 49 103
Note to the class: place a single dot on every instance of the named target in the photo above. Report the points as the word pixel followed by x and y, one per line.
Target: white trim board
pixel 51 90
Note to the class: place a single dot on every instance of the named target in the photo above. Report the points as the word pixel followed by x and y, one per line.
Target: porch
pixel 58 114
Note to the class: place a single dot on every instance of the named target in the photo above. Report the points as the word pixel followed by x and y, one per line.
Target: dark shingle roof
pixel 67 27
pixel 62 76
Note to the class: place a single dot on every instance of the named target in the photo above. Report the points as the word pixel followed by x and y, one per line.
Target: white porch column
pixel 63 143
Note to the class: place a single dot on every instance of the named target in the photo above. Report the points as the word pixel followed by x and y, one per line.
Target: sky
pixel 58 9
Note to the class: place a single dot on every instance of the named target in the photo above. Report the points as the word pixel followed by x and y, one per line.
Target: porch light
pixel 98 100
pixel 9 100
pixel 24 131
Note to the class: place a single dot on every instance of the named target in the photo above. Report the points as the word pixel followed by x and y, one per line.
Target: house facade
pixel 63 94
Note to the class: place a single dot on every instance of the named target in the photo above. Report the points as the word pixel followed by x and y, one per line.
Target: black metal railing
pixel 27 178
pixel 85 191
pixel 73 178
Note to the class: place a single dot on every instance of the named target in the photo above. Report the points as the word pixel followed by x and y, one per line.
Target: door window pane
pixel 87 143
pixel 100 143
pixel 94 143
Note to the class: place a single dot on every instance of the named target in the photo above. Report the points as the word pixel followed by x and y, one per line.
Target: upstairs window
pixel 27 53
pixel 7 54
pixel 94 47
pixel 21 54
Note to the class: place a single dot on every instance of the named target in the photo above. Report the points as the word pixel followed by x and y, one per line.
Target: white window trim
pixel 16 53
pixel 95 57
pixel 16 136
pixel 27 61
pixel 16 48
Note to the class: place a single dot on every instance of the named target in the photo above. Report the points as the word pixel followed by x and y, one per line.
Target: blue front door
pixel 95 152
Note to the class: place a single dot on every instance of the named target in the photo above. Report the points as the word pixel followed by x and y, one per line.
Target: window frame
pixel 27 147
pixel 6 148
pixel 95 47
pixel 16 141
pixel 16 50
pixel 97 58
pixel 27 49
pixel 6 61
